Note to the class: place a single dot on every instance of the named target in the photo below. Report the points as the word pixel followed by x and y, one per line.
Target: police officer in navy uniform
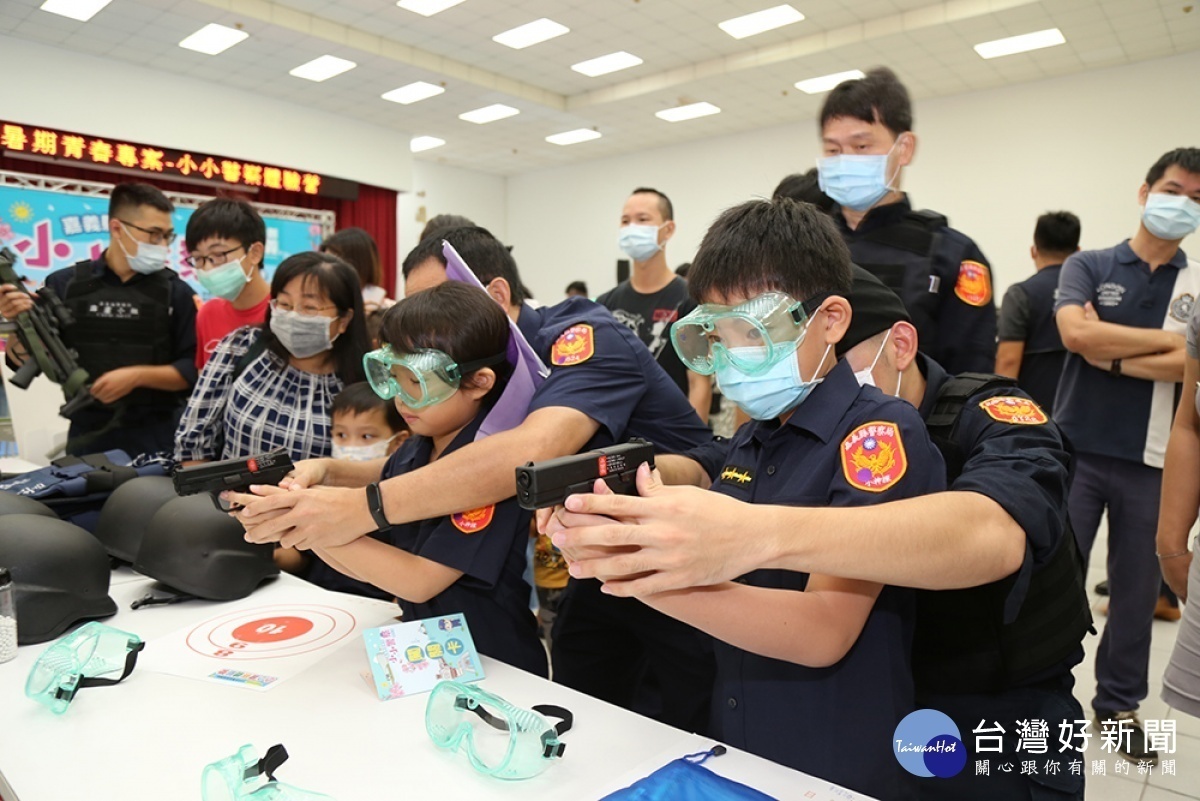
pixel 1000 653
pixel 134 324
pixel 604 388
pixel 939 272
pixel 1030 348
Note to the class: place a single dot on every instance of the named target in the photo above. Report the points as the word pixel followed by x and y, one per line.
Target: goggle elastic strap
pixel 272 760
pixel 550 750
pixel 90 681
pixel 149 599
pixel 490 361
pixel 810 306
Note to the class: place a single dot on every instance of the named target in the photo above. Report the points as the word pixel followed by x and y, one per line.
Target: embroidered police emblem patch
pixel 475 520
pixel 736 476
pixel 1109 294
pixel 1017 411
pixel 574 346
pixel 974 284
pixel 873 457
pixel 1181 307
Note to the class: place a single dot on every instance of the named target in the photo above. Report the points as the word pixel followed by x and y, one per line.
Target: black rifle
pixel 232 474
pixel 40 332
pixel 549 483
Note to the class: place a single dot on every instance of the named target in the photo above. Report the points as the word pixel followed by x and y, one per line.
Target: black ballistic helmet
pixel 193 547
pixel 13 504
pixel 127 512
pixel 60 574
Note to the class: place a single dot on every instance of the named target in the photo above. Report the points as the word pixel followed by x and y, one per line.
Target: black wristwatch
pixel 1115 369
pixel 375 504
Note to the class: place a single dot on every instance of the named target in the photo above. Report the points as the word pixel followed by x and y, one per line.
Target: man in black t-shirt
pixel 653 297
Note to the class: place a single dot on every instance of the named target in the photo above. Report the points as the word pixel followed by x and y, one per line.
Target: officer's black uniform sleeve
pixel 966 330
pixel 183 330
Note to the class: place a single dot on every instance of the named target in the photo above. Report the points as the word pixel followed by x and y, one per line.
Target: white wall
pixel 176 111
pixel 992 161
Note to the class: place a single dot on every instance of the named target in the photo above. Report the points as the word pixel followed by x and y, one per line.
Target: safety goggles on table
pixel 421 378
pixel 501 740
pixel 94 655
pixel 238 778
pixel 750 337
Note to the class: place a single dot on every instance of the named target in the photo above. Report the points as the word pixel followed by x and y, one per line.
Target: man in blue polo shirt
pixel 1122 313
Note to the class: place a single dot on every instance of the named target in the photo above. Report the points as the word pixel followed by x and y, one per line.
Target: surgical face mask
pixel 766 395
pixel 501 740
pixel 303 335
pixel 363 453
pixel 855 182
pixel 94 655
pixel 146 258
pixel 225 281
pixel 240 778
pixel 1170 217
pixel 865 377
pixel 638 242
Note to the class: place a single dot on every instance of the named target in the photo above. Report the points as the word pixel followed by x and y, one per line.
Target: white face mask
pixel 301 334
pixel 363 453
pixel 146 258
pixel 866 377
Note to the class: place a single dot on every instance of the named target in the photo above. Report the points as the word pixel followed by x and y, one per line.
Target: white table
pixel 151 736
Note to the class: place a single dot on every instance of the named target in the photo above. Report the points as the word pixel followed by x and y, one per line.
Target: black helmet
pixel 195 548
pixel 127 512
pixel 13 504
pixel 60 573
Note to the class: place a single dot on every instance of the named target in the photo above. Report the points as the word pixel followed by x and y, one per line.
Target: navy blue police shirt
pixel 489 546
pixel 941 275
pixel 844 446
pixel 1119 416
pixel 599 367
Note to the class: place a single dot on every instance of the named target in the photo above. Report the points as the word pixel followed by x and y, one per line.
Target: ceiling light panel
pixel 413 92
pixel 760 21
pixel 688 112
pixel 1021 44
pixel 531 33
pixel 81 10
pixel 427 8
pixel 420 143
pixel 573 137
pixel 606 64
pixel 496 111
pixel 814 86
pixel 213 39
pixel 323 68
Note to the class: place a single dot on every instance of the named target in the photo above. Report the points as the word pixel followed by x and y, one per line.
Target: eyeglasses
pixel 213 260
pixel 305 309
pixel 157 235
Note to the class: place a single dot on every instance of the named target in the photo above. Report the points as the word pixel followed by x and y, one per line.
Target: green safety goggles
pixel 94 655
pixel 239 777
pixel 421 378
pixel 502 740
pixel 751 337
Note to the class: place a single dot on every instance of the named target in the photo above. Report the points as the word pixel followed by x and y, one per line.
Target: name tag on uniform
pixel 935 283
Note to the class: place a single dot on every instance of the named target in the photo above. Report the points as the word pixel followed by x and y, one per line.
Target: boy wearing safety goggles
pixel 813 670
pixel 443 362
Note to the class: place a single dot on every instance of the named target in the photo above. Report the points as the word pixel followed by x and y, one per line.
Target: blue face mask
pixel 1170 217
pixel 855 182
pixel 769 394
pixel 638 242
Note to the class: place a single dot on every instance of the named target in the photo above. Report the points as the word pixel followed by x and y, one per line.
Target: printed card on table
pixel 410 658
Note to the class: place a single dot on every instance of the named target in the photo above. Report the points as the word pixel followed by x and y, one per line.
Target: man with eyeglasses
pixel 134 329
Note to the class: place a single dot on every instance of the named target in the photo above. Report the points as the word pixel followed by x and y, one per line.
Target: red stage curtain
pixel 374 211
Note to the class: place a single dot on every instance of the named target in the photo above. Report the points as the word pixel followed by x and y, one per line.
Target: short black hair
pixel 358 249
pixel 1186 157
pixel 487 257
pixel 874 307
pixel 877 97
pixel 125 197
pixel 771 245
pixel 1057 233
pixel 458 319
pixel 359 398
pixel 665 208
pixel 577 286
pixel 227 218
pixel 682 270
pixel 444 222
pixel 340 284
pixel 805 188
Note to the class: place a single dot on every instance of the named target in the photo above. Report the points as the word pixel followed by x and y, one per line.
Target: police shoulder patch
pixel 873 457
pixel 574 346
pixel 475 520
pixel 974 284
pixel 1014 410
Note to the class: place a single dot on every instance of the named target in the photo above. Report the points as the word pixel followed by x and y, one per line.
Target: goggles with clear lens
pixel 421 378
pixel 94 655
pixel 238 777
pixel 751 337
pixel 501 740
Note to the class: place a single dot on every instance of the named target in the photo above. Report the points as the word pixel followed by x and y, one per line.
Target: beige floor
pixel 1152 787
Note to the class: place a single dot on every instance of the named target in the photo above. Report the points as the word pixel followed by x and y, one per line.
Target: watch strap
pixel 375 505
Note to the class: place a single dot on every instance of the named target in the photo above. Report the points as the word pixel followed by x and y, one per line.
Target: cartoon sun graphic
pixel 21 211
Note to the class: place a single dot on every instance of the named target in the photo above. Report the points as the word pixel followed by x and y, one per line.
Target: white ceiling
pixel 687 58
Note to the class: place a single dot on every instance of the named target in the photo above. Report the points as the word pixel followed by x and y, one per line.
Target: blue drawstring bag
pixel 686 780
